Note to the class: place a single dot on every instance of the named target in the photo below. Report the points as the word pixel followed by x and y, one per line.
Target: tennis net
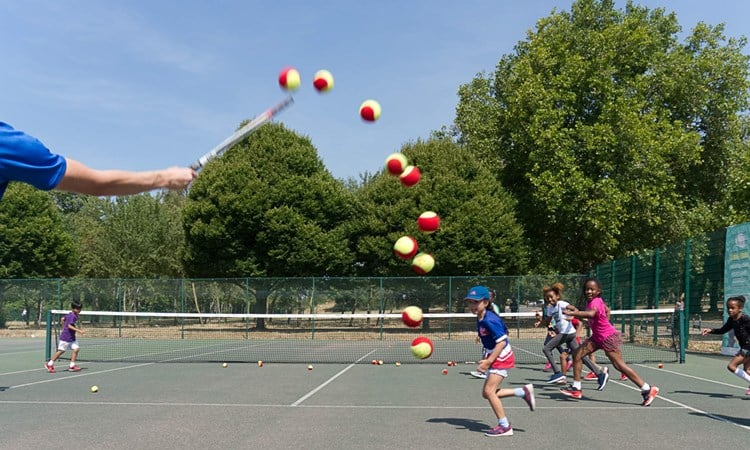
pixel 648 334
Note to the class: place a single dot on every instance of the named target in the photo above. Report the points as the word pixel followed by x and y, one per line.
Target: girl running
pixel 740 323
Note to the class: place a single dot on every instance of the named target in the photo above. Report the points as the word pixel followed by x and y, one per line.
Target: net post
pixel 48 344
pixel 686 303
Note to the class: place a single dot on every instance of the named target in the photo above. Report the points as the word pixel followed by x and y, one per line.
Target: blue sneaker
pixel 602 378
pixel 556 377
pixel 500 431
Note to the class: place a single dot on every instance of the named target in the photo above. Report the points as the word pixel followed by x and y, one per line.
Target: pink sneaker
pixel 74 369
pixel 590 376
pixel 623 377
pixel 747 392
pixel 547 368
pixel 50 368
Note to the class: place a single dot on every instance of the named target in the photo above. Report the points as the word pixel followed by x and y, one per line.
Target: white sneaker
pixel 478 374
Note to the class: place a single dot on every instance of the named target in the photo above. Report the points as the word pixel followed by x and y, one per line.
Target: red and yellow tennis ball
pixel 289 79
pixel 661 366
pixel 410 176
pixel 323 81
pixel 395 163
pixel 405 247
pixel 423 263
pixel 428 222
pixel 369 110
pixel 412 316
pixel 421 347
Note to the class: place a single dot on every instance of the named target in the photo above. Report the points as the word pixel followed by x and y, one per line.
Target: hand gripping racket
pixel 240 134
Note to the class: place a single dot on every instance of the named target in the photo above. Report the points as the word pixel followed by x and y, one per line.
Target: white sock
pixel 72 364
pixel 577 385
pixel 51 363
pixel 740 372
pixel 646 387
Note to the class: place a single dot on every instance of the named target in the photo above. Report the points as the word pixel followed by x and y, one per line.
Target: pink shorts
pixel 611 343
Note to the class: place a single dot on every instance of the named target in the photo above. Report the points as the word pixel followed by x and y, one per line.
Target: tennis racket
pixel 240 134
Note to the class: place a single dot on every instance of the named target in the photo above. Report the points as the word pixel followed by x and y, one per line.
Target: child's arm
pixel 541 320
pixel 724 328
pixel 76 329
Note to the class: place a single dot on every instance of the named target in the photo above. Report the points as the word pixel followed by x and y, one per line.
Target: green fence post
pixel 312 324
pixel 632 296
pixel 450 304
pixel 48 345
pixel 686 303
pixel 657 277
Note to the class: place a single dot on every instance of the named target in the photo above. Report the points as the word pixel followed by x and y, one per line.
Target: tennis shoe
pixel 649 396
pixel 590 376
pixel 50 368
pixel 623 377
pixel 572 391
pixel 547 368
pixel 528 396
pixel 602 378
pixel 747 392
pixel 556 378
pixel 478 374
pixel 74 369
pixel 500 431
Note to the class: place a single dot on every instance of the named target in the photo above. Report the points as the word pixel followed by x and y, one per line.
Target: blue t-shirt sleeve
pixel 24 158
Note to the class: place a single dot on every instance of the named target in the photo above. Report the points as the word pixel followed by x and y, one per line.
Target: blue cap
pixel 478 293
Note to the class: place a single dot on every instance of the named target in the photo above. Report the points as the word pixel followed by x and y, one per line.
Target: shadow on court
pixel 721 417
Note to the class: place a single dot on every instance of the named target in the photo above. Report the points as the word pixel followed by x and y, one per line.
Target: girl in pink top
pixel 604 337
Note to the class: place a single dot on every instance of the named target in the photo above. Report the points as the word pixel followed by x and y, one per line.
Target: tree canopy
pixel 611 135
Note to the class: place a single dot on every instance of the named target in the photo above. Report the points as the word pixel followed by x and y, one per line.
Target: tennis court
pixel 348 405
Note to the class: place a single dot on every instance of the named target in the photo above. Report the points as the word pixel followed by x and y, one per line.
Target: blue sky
pixel 148 84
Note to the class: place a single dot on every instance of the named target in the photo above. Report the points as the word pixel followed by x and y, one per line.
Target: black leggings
pixel 557 341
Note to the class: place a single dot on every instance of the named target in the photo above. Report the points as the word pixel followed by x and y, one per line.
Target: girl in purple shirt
pixel 604 336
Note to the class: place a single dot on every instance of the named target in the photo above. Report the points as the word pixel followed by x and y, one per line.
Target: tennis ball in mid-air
pixel 412 316
pixel 225 365
pixel 423 263
pixel 323 81
pixel 410 176
pixel 405 247
pixel 421 347
pixel 395 163
pixel 428 222
pixel 95 389
pixel 369 110
pixel 289 79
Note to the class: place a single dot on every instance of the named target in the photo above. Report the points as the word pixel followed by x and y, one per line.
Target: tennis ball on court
pixel 410 176
pixel 310 367
pixel 289 79
pixel 260 363
pixel 395 163
pixel 412 316
pixel 405 247
pixel 380 362
pixel 369 110
pixel 428 222
pixel 323 81
pixel 421 347
pixel 225 365
pixel 398 364
pixel 94 389
pixel 661 366
pixel 423 263
pixel 445 371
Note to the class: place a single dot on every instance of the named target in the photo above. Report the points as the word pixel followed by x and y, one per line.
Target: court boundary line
pixel 707 380
pixel 325 383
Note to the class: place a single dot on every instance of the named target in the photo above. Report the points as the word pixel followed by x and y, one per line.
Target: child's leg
pixel 617 360
pixel 738 366
pixel 584 350
pixel 550 345
pixel 73 357
pixel 490 392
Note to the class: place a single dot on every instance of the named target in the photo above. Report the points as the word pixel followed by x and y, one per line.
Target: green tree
pixel 479 234
pixel 33 240
pixel 612 135
pixel 131 237
pixel 268 207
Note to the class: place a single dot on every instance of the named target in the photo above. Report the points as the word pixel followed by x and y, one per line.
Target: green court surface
pixel 346 405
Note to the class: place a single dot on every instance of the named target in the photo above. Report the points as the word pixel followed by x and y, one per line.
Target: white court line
pixel 707 380
pixel 21 371
pixel 688 407
pixel 22 352
pixel 265 405
pixel 311 393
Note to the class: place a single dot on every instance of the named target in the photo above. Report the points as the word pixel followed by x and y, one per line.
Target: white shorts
pixel 63 345
pixel 502 372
